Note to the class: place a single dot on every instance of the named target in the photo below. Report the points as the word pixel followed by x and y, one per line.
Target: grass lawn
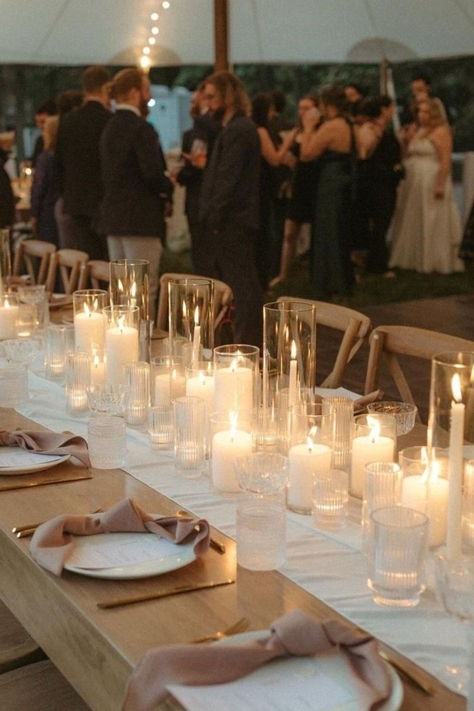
pixel 371 289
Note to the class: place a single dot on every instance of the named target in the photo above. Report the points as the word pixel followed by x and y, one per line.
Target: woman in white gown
pixel 426 228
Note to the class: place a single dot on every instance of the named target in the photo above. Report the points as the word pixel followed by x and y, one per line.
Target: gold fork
pixel 239 626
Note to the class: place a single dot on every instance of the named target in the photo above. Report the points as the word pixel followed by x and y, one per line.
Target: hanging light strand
pixel 154 31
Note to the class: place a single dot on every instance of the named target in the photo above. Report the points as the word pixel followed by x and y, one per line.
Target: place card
pixel 118 550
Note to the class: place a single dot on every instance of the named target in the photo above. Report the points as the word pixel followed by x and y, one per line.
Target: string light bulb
pixel 154 30
pixel 151 40
pixel 165 5
pixel 144 61
pixel 146 50
pixel 154 16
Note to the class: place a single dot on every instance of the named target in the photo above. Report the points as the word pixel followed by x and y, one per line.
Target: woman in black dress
pixel 333 146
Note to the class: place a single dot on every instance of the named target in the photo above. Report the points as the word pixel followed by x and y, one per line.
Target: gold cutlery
pixel 217 545
pixel 119 601
pixel 414 675
pixel 29 528
pixel 239 626
pixel 28 484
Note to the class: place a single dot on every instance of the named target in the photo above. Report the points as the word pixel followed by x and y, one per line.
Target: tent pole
pixel 221 35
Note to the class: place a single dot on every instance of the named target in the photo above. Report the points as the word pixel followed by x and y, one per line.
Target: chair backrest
pixel 72 266
pixel 39 250
pixel 223 298
pixel 98 272
pixel 390 342
pixel 354 326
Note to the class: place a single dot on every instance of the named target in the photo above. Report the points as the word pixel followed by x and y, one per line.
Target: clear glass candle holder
pixel 309 453
pixel 168 379
pixel 468 506
pixel 403 412
pixel 129 284
pixel 200 382
pixel 330 498
pixel 137 385
pixel 107 441
pixel 107 399
pixel 396 560
pixel 78 380
pixel 339 414
pixel 425 487
pixel 59 342
pixel 261 515
pixel 269 431
pixel 191 317
pixel 382 488
pixel 9 309
pixel 289 350
pixel 160 426
pixel 89 319
pixel 190 436
pixel 34 309
pixel 121 340
pixel 452 401
pixel 230 437
pixel 13 384
pixel 236 377
pixel 374 440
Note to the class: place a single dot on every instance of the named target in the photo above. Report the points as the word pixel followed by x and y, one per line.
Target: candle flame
pixel 184 309
pixel 121 323
pixel 472 375
pixel 196 316
pixel 374 428
pixel 233 365
pixel 96 361
pixel 233 416
pixel 95 304
pixel 6 303
pixel 293 350
pixel 310 438
pixel 87 310
pixel 456 387
pixel 120 285
pixel 173 374
pixel 202 378
pixel 424 460
pixel 133 289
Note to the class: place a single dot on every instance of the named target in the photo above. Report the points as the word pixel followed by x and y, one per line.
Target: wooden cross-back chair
pixel 353 325
pixel 388 343
pixel 223 298
pixel 72 268
pixel 98 273
pixel 36 256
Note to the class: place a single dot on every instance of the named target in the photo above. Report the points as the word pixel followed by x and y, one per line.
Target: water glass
pixel 78 380
pixel 106 399
pixel 261 516
pixel 107 441
pixel 190 436
pixel 330 498
pixel 396 560
pixel 382 488
pixel 339 413
pixel 137 385
pixel 59 342
pixel 160 426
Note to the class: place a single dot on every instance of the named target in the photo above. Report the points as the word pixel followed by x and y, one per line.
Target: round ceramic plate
pixel 131 555
pixel 334 666
pixel 22 461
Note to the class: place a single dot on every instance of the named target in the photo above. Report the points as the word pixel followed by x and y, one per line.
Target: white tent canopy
pixel 275 31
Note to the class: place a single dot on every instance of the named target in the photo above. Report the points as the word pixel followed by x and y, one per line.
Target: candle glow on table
pixel 428 493
pixel 121 346
pixel 292 397
pixel 456 438
pixel 89 327
pixel 8 318
pixel 196 338
pixel 226 446
pixel 234 387
pixel 304 460
pixel 365 449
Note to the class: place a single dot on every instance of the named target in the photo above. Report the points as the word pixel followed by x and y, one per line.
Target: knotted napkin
pixel 294 634
pixel 52 542
pixel 47 443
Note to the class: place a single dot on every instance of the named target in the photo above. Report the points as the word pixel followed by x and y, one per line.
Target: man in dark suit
pixel 136 188
pixel 77 154
pixel 43 111
pixel 229 204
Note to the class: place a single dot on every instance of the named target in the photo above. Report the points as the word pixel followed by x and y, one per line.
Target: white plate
pixel 331 665
pixel 22 461
pixel 161 556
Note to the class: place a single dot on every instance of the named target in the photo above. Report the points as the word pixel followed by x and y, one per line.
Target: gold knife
pixel 118 601
pixel 28 484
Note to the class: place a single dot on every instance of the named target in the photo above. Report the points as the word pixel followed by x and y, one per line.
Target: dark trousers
pixel 79 233
pixel 380 211
pixel 228 254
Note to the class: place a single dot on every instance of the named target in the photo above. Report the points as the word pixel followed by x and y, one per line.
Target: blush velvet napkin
pixel 52 542
pixel 47 443
pixel 294 634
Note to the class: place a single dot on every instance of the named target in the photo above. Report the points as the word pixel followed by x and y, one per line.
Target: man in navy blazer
pixel 136 187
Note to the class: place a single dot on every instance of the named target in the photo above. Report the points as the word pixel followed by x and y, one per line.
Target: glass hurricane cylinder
pixel 168 380
pixel 468 505
pixel 339 414
pixel 289 352
pixel 78 380
pixel 191 318
pixel 89 319
pixel 236 378
pixel 137 386
pixel 190 436
pixel 121 340
pixel 374 440
pixel 129 286
pixel 9 313
pixel 59 343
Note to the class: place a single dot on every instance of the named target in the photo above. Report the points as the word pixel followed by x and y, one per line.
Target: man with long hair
pixel 229 203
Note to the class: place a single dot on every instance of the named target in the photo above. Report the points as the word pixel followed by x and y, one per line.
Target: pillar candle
pixel 456 435
pixel 428 494
pixel 292 395
pixel 196 338
pixel 8 319
pixel 202 386
pixel 169 386
pixel 226 446
pixel 89 328
pixel 97 371
pixel 365 449
pixel 303 461
pixel 121 346
pixel 233 389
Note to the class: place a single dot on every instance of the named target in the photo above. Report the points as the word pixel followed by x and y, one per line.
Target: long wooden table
pixel 95 649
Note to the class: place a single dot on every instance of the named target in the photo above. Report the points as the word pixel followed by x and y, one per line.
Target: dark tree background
pixel 22 87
